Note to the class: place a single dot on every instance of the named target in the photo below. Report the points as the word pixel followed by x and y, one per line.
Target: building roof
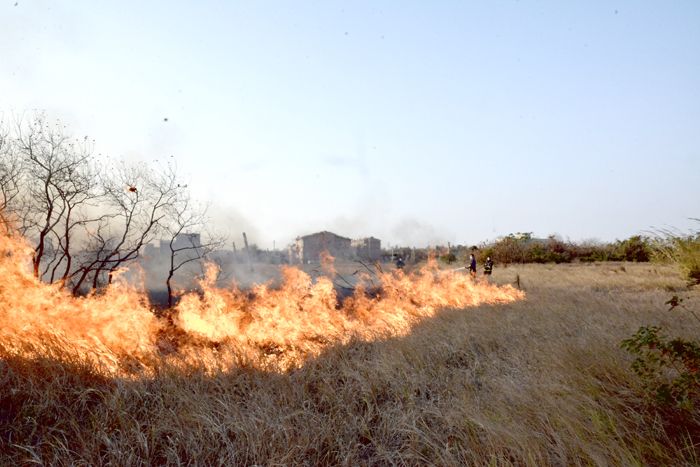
pixel 323 232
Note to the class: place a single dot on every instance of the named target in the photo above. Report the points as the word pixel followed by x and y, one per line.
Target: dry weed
pixel 538 382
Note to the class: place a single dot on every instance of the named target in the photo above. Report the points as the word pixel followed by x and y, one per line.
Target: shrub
pixel 597 253
pixel 670 368
pixel 523 248
pixel 448 258
pixel 508 250
pixel 635 249
pixel 536 254
pixel 482 254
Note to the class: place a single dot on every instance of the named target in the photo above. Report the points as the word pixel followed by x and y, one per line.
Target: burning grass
pixel 271 325
pixel 540 381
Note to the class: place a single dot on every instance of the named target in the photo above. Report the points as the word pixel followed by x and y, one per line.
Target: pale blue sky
pixel 416 122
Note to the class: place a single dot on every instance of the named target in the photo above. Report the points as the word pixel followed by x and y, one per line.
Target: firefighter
pixel 400 264
pixel 472 265
pixel 488 266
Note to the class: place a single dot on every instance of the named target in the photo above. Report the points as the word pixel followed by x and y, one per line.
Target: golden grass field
pixel 537 382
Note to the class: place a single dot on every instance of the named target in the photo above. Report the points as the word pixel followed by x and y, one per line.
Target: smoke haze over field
pixel 417 123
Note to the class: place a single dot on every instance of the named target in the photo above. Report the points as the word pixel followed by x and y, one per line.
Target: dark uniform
pixel 472 266
pixel 488 266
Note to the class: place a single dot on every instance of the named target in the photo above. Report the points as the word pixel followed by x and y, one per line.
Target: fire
pixel 106 325
pixel 280 324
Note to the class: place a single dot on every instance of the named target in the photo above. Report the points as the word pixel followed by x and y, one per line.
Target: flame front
pixel 282 324
pixel 107 325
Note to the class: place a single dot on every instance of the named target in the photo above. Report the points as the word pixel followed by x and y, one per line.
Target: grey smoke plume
pixel 412 232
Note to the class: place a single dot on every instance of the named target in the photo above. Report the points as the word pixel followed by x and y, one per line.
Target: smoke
pixel 412 232
pixel 234 223
pixel 374 222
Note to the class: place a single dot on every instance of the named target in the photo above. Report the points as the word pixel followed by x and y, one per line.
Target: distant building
pixel 309 247
pixel 187 243
pixel 367 248
pixel 150 249
pixel 187 240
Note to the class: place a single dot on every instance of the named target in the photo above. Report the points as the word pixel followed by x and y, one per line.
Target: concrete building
pixel 309 247
pixel 187 243
pixel 367 248
pixel 183 241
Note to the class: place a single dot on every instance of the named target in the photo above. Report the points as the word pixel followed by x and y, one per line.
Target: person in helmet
pixel 488 266
pixel 399 263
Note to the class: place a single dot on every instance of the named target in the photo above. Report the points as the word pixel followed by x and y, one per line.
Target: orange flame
pixel 116 322
pixel 281 324
pixel 327 263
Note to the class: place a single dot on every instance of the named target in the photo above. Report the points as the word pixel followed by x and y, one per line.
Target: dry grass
pixel 538 382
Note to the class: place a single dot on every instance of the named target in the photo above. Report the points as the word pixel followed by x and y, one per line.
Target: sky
pixel 416 122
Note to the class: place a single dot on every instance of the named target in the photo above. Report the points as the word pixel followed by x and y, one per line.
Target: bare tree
pixel 87 216
pixel 191 239
pixel 140 199
pixel 10 174
pixel 61 186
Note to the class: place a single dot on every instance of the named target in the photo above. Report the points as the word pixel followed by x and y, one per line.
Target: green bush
pixel 523 248
pixel 635 249
pixel 670 368
pixel 508 250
